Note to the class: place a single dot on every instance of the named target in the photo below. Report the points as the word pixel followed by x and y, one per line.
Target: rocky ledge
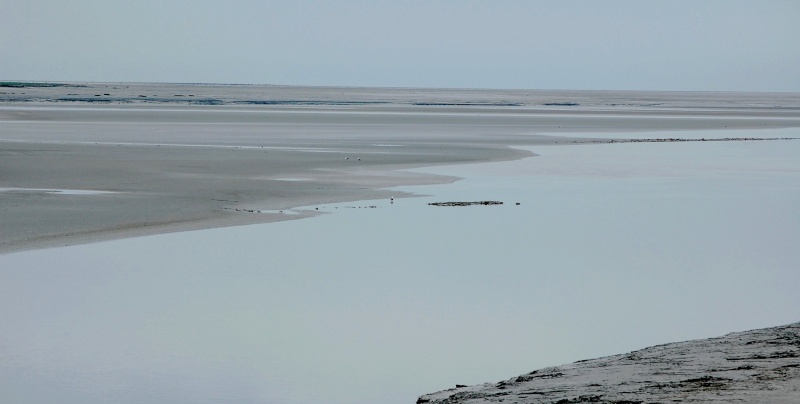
pixel 760 366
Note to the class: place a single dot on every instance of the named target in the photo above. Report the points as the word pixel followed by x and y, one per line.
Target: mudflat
pixel 82 162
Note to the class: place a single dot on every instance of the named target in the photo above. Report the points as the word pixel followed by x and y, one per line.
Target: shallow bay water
pixel 613 247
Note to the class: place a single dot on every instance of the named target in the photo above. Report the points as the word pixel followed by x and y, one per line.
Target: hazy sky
pixel 663 45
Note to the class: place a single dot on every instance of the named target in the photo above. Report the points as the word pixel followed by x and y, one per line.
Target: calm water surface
pixel 611 248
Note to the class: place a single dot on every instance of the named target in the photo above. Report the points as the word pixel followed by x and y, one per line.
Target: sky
pixel 624 45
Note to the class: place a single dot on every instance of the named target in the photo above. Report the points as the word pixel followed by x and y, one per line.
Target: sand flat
pixel 170 163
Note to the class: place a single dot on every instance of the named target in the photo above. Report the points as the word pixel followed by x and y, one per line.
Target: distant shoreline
pixel 276 95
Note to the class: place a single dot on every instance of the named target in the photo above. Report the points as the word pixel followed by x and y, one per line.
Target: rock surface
pixel 759 366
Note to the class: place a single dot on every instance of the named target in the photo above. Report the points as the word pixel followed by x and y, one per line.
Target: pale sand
pixel 170 166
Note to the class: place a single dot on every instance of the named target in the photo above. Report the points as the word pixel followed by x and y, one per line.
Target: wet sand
pixel 165 164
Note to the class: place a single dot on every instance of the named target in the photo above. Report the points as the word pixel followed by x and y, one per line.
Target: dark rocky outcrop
pixel 759 366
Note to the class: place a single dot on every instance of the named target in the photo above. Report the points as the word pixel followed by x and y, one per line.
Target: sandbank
pixel 197 156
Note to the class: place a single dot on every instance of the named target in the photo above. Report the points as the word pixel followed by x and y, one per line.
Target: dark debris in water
pixel 669 140
pixel 465 203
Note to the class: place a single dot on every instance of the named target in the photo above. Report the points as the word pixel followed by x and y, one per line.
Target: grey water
pixel 612 247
